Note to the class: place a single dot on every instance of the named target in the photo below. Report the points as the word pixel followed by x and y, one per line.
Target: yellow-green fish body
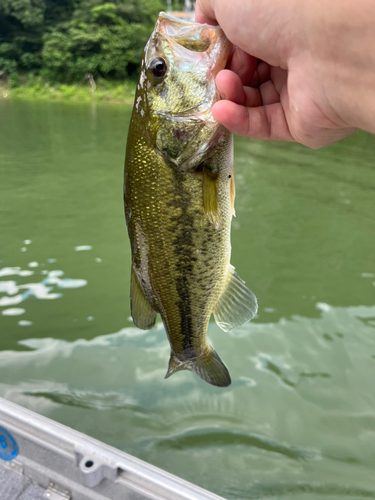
pixel 179 194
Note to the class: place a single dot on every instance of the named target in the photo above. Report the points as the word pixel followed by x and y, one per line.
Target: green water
pixel 298 421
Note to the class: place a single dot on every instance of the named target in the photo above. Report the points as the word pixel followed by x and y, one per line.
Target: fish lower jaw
pixel 187 162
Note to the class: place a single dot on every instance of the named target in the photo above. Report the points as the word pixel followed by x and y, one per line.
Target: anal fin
pixel 142 313
pixel 237 304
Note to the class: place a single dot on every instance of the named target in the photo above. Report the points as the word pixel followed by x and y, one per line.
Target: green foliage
pixel 21 30
pixel 63 40
pixel 37 88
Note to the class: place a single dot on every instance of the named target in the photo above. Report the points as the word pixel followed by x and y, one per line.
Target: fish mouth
pixel 195 37
pixel 198 36
pixel 184 135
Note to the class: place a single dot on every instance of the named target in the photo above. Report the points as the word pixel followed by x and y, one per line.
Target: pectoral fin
pixel 237 304
pixel 142 313
pixel 232 194
pixel 210 197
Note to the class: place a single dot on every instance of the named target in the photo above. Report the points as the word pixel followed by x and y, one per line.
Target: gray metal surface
pixel 16 486
pixel 60 463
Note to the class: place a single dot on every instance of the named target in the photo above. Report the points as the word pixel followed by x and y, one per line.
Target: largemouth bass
pixel 179 198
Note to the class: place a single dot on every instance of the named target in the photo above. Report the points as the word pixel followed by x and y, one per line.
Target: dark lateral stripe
pixel 183 245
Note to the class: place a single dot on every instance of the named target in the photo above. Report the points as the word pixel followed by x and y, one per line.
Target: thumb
pixel 204 12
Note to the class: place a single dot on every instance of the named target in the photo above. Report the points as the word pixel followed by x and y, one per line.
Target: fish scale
pixel 180 250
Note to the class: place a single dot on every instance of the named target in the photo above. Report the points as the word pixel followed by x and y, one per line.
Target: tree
pixel 65 39
pixel 21 30
pixel 107 40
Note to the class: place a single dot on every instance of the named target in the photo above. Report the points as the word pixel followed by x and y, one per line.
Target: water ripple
pixel 207 437
pixel 285 490
pixel 87 399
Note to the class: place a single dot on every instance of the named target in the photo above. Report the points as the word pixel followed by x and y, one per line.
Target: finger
pixel 269 94
pixel 279 78
pixel 243 64
pixel 230 88
pixel 204 13
pixel 263 70
pixel 255 80
pixel 252 97
pixel 264 122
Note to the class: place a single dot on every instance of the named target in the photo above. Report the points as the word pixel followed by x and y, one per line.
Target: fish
pixel 179 198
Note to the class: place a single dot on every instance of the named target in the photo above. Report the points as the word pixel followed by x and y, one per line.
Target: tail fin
pixel 208 367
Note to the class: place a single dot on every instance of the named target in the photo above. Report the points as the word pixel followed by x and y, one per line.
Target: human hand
pixel 278 92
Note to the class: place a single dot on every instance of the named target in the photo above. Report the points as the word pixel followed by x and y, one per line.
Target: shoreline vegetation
pixel 103 91
pixel 75 50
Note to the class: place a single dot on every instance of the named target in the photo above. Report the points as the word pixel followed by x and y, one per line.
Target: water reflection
pixel 43 290
pixel 298 420
pixel 305 491
pixel 299 407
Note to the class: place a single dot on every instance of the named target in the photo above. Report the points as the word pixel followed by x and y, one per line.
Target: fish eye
pixel 158 67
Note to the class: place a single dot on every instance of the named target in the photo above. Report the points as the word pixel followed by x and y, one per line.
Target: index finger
pixel 204 12
pixel 243 65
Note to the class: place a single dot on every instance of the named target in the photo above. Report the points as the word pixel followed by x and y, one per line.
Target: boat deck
pixel 14 486
pixel 42 459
